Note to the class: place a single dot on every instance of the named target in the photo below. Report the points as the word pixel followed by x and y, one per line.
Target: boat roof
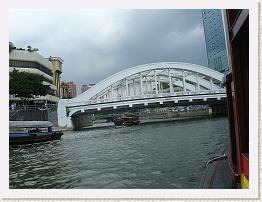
pixel 30 124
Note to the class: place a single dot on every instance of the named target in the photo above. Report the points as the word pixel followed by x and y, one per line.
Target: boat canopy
pixel 30 124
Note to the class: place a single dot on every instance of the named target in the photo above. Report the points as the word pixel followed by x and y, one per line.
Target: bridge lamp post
pixel 198 87
pixel 170 82
pixel 111 92
pixel 184 81
pixel 160 85
pixel 117 91
pixel 146 85
pixel 155 81
pixel 141 84
pixel 211 84
pixel 121 86
pixel 151 88
pixel 127 90
pixel 134 86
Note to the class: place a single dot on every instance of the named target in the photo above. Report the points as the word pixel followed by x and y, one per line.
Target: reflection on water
pixel 164 155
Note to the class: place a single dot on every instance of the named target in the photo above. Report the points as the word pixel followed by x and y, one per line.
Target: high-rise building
pixel 68 89
pixel 215 40
pixel 85 87
pixel 29 60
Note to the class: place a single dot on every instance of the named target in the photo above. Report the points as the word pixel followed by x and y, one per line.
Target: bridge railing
pixel 181 93
pixel 32 107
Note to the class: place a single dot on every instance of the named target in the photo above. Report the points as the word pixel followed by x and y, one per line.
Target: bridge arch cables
pixel 154 79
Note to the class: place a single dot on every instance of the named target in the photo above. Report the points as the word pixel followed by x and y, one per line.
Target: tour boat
pixel 126 121
pixel 28 132
pixel 118 122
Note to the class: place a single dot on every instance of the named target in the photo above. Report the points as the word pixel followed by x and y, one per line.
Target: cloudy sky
pixel 97 43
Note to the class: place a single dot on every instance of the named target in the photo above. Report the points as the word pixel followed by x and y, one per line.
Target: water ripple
pixel 165 155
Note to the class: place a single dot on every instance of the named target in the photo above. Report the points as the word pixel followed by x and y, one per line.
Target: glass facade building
pixel 215 40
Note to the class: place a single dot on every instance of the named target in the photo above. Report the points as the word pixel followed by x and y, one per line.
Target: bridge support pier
pixel 64 119
pixel 217 110
pixel 81 120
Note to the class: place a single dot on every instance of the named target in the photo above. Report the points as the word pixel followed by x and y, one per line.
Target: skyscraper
pixel 215 40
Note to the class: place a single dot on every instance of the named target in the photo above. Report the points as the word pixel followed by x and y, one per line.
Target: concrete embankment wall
pixel 161 115
pixel 203 112
pixel 34 115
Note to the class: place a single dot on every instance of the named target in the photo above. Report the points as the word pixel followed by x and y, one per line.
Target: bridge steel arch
pixel 155 79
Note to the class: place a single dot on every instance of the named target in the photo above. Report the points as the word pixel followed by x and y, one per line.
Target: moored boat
pixel 28 132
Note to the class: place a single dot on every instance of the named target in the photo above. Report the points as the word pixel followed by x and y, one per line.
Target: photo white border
pixel 252 192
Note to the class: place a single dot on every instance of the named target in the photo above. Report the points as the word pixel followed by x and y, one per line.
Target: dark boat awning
pixel 30 124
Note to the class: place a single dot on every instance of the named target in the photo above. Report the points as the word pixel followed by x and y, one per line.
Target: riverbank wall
pixel 34 115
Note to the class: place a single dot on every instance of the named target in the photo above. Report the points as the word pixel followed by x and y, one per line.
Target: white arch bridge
pixel 145 85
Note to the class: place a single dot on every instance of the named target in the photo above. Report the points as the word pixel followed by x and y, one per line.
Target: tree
pixel 26 85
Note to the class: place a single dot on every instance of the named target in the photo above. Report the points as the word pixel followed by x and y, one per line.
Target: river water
pixel 165 155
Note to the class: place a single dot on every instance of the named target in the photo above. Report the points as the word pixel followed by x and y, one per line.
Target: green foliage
pixel 26 85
